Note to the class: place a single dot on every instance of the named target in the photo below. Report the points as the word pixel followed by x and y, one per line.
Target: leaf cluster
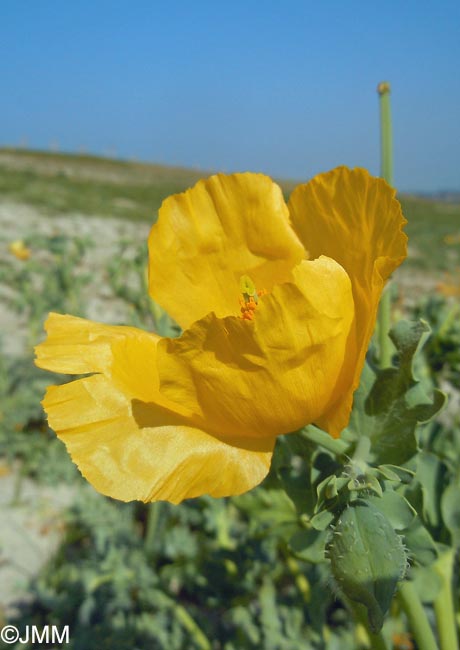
pixel 215 578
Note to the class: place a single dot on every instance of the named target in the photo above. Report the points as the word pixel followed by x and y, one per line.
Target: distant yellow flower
pixel 19 250
pixel 169 419
pixel 448 290
pixel 451 286
pixel 452 239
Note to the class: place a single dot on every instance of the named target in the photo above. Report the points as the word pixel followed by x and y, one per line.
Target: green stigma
pixel 248 288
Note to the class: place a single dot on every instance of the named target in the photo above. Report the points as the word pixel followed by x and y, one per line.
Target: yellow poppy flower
pixel 19 250
pixel 277 304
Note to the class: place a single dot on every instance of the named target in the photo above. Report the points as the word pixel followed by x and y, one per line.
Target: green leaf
pixel 322 520
pixel 395 473
pixel 429 474
pixel 298 464
pixel 391 402
pixel 396 509
pixel 309 545
pixel 427 583
pixel 450 509
pixel 269 508
pixel 244 620
pixel 420 544
pixel 269 616
pixel 326 489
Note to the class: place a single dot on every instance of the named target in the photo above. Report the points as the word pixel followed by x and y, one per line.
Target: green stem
pixel 386 171
pixel 151 532
pixel 192 628
pixel 186 620
pixel 384 325
pixel 377 641
pixel 319 437
pixel 362 450
pixel 386 135
pixel 416 616
pixel 17 486
pixel 444 604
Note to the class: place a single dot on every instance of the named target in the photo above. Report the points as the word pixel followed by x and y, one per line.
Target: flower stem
pixel 186 620
pixel 151 531
pixel 192 627
pixel 444 604
pixel 386 136
pixel 377 640
pixel 386 171
pixel 384 324
pixel 362 450
pixel 416 615
pixel 319 437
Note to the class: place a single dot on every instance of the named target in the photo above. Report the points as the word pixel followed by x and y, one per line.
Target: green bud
pixel 368 559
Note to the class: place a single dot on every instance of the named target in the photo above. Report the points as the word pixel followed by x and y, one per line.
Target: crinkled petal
pixel 355 219
pixel 275 373
pixel 206 238
pixel 128 440
pixel 79 346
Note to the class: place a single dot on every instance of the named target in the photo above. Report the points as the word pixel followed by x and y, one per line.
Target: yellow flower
pixel 452 239
pixel 277 304
pixel 451 286
pixel 19 250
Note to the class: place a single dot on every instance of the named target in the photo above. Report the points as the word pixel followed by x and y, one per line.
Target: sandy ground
pixel 31 527
pixel 18 221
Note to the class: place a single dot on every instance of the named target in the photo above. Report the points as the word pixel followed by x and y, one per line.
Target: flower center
pixel 250 297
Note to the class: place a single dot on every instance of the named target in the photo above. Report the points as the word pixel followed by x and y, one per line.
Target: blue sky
pixel 286 88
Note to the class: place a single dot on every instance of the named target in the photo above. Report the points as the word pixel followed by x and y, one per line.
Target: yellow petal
pixel 129 441
pixel 79 346
pixel 208 237
pixel 355 219
pixel 273 374
pixel 131 450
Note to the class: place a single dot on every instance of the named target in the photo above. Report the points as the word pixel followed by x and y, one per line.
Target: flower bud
pixel 368 559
